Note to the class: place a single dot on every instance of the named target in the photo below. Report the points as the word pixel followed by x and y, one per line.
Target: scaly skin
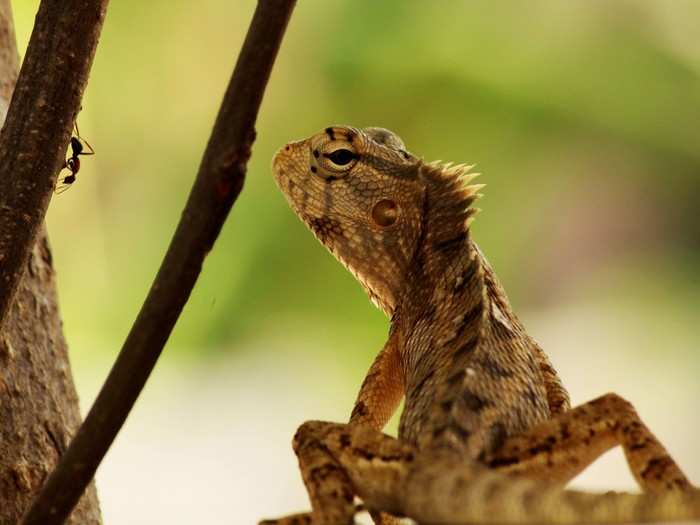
pixel 487 434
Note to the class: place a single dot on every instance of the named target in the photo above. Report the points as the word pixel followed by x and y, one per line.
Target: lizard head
pixel 366 199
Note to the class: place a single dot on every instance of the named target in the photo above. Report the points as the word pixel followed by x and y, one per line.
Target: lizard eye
pixel 341 157
pixel 385 212
pixel 337 159
pixel 332 159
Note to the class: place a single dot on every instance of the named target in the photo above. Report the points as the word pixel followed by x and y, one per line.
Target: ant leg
pixel 90 148
pixel 62 184
pixel 63 187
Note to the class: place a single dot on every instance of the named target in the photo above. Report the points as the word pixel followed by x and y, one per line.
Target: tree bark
pixel 39 410
pixel 38 126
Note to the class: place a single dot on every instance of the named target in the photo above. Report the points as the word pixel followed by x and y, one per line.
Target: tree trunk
pixel 38 403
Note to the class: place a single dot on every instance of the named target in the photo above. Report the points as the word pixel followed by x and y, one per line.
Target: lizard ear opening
pixel 385 213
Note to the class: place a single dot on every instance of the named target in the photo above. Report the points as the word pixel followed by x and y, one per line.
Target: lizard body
pixel 487 434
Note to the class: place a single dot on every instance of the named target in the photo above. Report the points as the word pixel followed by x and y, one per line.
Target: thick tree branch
pixel 39 122
pixel 38 403
pixel 218 183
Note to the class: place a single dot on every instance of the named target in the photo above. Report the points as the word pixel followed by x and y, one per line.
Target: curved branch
pixel 39 122
pixel 218 183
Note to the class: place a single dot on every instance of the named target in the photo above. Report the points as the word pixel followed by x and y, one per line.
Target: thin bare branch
pixel 218 183
pixel 37 129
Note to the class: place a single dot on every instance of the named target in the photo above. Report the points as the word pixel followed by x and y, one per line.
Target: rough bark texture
pixel 38 403
pixel 38 126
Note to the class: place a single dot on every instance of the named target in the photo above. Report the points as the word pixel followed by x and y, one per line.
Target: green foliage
pixel 584 117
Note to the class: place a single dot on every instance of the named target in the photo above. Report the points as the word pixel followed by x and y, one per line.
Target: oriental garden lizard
pixel 487 434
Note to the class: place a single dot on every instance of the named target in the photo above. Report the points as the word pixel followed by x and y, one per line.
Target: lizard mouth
pixel 287 158
pixel 279 161
pixel 291 181
pixel 282 171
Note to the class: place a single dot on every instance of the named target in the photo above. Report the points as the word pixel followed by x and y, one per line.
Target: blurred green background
pixel 584 117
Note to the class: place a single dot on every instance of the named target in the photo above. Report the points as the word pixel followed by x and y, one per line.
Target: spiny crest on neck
pixel 449 206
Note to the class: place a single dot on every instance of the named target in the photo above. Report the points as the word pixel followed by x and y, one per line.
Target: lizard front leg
pixel 382 389
pixel 340 461
pixel 329 488
pixel 559 449
pixel 379 396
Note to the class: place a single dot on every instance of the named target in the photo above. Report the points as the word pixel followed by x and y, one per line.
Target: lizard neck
pixel 462 350
pixel 445 285
pixel 442 318
pixel 446 320
pixel 444 249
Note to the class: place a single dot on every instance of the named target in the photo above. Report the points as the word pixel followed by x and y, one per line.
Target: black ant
pixel 73 162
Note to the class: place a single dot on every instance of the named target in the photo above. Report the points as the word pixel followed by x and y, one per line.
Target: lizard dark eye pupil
pixel 341 157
